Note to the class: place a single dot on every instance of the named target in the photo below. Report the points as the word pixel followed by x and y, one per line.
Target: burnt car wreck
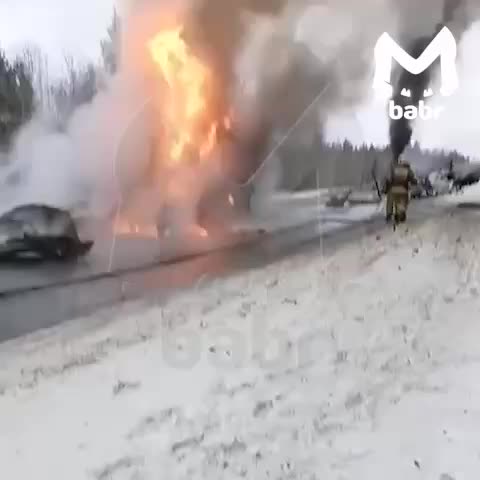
pixel 40 232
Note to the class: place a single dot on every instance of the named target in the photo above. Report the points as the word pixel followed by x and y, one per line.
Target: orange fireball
pixel 186 109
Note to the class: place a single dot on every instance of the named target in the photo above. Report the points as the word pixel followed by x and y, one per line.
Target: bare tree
pixel 16 97
pixel 78 87
pixel 37 67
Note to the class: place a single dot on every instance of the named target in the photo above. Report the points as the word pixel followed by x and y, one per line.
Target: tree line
pixel 324 164
pixel 26 85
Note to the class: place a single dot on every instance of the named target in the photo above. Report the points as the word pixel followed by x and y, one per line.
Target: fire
pixel 192 230
pixel 123 226
pixel 191 128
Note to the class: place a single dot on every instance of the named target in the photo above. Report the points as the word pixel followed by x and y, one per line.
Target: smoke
pixel 450 9
pixel 455 15
pixel 284 67
pixel 307 61
pixel 76 167
pixel 110 148
pixel 401 129
pixel 216 31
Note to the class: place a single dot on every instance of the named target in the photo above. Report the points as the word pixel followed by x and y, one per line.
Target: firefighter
pixel 397 189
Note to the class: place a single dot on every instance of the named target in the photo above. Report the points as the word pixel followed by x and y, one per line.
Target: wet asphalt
pixel 35 297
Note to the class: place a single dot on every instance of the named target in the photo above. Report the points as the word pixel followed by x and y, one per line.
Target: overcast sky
pixel 56 26
pixel 76 27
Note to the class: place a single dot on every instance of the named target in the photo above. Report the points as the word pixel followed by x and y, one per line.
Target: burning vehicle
pixel 40 232
pixel 193 141
pixel 206 143
pixel 424 188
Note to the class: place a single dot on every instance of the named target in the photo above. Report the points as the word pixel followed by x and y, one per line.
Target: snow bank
pixel 358 365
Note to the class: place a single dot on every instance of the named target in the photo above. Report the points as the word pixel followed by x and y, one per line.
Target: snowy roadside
pixel 377 377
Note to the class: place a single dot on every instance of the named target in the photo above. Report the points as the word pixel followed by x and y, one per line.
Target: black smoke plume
pixel 450 9
pixel 401 130
pixel 216 30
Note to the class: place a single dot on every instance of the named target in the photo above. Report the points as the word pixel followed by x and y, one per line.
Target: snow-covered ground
pixel 362 364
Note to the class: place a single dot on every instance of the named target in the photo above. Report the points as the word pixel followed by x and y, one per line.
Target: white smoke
pixel 77 165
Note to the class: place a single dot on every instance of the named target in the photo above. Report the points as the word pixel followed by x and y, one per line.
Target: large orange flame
pixel 191 130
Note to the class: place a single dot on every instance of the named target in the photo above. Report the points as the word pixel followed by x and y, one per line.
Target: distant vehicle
pixel 40 232
pixel 424 188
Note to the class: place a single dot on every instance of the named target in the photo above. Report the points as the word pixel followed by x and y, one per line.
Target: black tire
pixel 64 249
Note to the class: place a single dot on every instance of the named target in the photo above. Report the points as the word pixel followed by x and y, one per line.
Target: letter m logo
pixel 443 46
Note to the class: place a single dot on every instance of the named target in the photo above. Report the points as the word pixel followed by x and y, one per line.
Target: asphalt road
pixel 27 306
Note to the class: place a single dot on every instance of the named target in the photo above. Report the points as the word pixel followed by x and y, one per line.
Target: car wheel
pixel 65 249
